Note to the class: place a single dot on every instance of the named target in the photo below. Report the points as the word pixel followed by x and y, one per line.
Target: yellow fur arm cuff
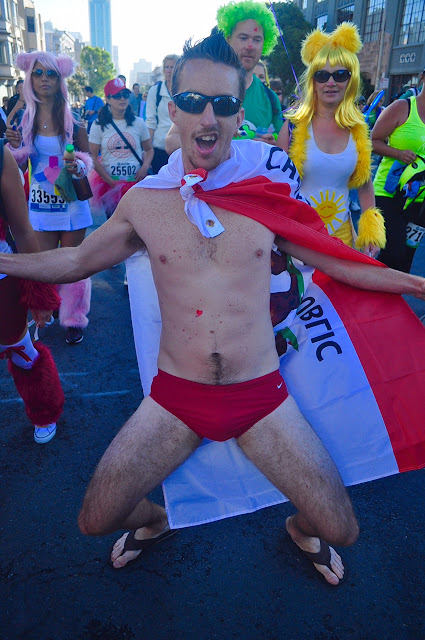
pixel 371 229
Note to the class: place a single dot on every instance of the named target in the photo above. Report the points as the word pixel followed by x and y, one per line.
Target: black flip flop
pixel 132 544
pixel 323 557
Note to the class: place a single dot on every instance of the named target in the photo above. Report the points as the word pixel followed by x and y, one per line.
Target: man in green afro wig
pixel 250 29
pixel 230 15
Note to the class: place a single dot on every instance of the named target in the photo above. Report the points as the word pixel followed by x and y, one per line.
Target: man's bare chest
pixel 171 238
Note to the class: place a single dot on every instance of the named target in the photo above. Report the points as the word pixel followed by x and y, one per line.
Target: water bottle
pixel 81 184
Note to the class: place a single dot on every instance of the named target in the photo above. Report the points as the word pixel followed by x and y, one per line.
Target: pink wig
pixel 64 66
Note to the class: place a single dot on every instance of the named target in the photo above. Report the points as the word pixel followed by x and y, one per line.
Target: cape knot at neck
pixel 199 175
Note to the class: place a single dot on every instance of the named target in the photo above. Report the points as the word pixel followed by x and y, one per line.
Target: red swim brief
pixel 219 412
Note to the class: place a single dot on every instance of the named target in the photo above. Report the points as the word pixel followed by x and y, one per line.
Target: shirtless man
pixel 217 340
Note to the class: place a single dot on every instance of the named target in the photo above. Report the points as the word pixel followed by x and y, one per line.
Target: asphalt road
pixel 240 578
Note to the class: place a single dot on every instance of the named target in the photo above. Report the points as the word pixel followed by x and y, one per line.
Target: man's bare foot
pixel 312 545
pixel 120 559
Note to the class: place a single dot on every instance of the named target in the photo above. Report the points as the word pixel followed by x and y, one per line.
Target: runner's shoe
pixel 74 335
pixel 45 434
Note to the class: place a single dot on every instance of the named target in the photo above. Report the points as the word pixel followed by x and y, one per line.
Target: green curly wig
pixel 234 12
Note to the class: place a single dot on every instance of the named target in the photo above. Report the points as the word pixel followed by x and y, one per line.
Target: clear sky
pixel 140 29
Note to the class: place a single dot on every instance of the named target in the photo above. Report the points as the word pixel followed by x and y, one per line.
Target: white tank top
pixel 42 201
pixel 325 181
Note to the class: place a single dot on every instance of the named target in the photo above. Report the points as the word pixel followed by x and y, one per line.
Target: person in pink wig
pixel 39 144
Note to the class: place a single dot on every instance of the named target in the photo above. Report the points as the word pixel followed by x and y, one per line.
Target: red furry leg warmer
pixel 40 388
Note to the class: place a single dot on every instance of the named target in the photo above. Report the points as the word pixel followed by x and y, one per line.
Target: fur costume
pixel 39 296
pixel 340 48
pixel 75 303
pixel 40 388
pixel 34 295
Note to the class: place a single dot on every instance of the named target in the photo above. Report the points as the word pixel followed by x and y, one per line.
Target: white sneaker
pixel 45 434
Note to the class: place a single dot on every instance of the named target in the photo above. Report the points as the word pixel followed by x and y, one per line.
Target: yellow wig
pixel 340 48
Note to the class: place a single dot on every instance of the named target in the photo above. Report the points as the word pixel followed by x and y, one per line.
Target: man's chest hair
pixel 164 226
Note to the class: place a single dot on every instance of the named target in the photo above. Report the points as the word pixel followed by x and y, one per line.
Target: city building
pixel 115 58
pixel 33 31
pixel 393 34
pixel 58 41
pixel 141 73
pixel 12 27
pixel 79 44
pixel 100 24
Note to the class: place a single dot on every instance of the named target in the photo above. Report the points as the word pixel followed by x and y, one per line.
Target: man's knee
pixel 345 530
pixel 89 525
pixel 349 533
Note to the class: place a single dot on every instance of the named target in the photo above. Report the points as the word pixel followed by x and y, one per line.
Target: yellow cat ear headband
pixel 346 36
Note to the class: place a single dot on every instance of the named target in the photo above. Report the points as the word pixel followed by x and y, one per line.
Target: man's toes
pixel 336 573
pixel 121 561
pixel 118 547
pixel 336 563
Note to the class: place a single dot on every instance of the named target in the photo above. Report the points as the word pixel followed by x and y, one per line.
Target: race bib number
pixel 40 200
pixel 414 235
pixel 123 171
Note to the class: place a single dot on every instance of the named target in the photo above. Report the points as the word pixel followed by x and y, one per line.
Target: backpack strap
pixel 158 93
pixel 291 128
pixel 408 106
pixel 158 98
pixel 2 141
pixel 271 96
pixel 3 217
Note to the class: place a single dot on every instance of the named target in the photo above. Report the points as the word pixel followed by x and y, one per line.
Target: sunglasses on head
pixel 196 102
pixel 49 73
pixel 125 93
pixel 342 75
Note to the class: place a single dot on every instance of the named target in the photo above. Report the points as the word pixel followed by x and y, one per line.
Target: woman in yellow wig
pixel 328 140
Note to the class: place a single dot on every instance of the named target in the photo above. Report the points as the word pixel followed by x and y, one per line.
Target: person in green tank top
pixel 399 136
pixel 250 29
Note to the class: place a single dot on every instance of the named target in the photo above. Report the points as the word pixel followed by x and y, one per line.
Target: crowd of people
pixel 221 332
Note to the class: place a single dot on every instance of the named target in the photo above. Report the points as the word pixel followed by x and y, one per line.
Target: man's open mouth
pixel 207 142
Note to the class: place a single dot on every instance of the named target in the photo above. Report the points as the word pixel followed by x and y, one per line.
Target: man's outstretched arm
pixel 362 276
pixel 113 242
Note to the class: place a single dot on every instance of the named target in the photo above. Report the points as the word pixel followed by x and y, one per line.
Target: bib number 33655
pixel 42 201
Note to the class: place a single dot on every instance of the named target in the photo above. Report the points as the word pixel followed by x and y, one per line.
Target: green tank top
pixel 410 135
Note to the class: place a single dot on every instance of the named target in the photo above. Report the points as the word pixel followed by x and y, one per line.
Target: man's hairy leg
pixel 287 450
pixel 147 449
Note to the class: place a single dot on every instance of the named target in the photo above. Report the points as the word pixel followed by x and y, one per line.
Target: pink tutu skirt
pixel 106 196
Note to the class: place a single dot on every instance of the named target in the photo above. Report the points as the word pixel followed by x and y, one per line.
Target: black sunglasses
pixel 342 75
pixel 196 102
pixel 49 73
pixel 122 94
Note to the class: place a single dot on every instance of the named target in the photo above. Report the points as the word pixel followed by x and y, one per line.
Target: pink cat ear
pixel 24 60
pixel 65 66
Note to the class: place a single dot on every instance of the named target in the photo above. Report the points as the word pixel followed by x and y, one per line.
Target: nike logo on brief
pixel 279 385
